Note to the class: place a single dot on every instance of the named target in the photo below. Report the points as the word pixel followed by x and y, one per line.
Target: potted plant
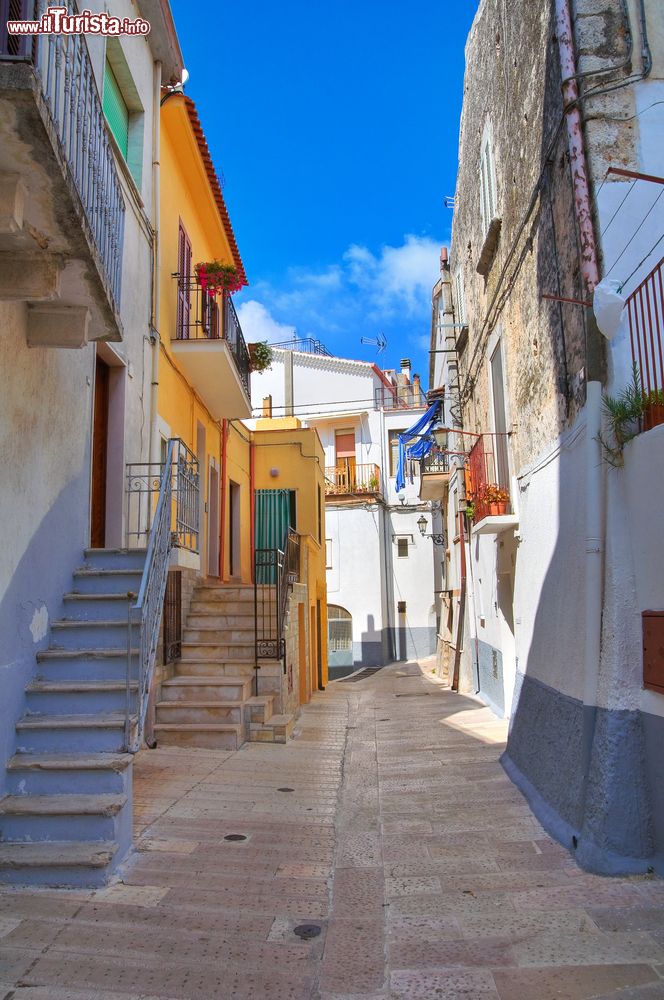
pixel 373 483
pixel 653 409
pixel 215 277
pixel 496 499
pixel 260 356
pixel 470 510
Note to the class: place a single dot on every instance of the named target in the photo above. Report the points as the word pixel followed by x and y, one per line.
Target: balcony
pixel 352 480
pixel 61 203
pixel 211 350
pixel 645 312
pixel 487 486
pixel 434 474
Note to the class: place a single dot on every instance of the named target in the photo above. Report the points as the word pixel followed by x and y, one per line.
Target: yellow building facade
pixel 203 398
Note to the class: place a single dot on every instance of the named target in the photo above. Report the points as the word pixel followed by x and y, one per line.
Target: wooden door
pixel 344 442
pixel 99 456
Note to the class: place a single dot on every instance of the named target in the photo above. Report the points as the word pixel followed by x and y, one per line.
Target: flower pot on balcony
pixel 498 508
pixel 653 414
pixel 216 278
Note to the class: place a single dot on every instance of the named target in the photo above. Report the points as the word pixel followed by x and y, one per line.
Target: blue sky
pixel 335 129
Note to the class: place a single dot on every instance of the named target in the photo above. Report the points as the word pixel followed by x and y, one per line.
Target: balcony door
pixel 344 444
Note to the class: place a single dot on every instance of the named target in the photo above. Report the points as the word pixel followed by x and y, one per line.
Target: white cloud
pixel 398 277
pixel 258 324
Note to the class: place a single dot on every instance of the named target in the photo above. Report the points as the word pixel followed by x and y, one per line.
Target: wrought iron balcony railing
pixel 488 477
pixel 404 397
pixel 305 345
pixel 349 478
pixel 201 316
pixel 67 86
pixel 645 311
pixel 142 491
pixel 435 463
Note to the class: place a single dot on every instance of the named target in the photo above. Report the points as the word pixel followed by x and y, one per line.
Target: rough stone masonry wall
pixel 513 83
pixel 291 697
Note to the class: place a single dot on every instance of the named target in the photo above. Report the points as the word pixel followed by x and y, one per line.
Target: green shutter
pixel 272 518
pixel 115 110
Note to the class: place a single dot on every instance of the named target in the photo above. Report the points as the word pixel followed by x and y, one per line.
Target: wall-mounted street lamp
pixel 422 525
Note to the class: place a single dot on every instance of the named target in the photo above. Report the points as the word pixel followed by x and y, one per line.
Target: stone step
pixel 60 817
pixel 58 774
pixel 199 711
pixel 242 616
pixel 221 652
pixel 185 688
pixel 68 864
pixel 210 736
pixel 104 633
pixel 86 664
pixel 71 733
pixel 259 708
pixel 243 594
pixel 79 697
pixel 241 638
pixel 97 607
pixel 207 667
pixel 107 581
pixel 114 559
pixel 278 729
pixel 218 628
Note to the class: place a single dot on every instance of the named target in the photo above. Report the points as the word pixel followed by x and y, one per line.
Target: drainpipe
pixel 593 457
pixel 224 492
pixel 252 507
pixel 576 145
pixel 156 263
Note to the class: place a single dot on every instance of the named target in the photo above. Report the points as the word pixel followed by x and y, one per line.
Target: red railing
pixel 487 485
pixel 645 309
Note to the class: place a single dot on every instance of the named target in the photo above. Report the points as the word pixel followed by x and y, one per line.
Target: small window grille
pixel 402 548
pixel 173 617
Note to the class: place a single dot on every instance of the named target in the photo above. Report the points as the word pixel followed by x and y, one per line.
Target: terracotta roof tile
pixel 214 183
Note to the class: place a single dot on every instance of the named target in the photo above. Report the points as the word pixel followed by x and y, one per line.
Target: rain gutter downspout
pixel 153 450
pixel 593 456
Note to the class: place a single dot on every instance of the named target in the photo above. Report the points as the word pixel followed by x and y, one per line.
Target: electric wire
pixel 631 188
pixel 636 231
pixel 652 249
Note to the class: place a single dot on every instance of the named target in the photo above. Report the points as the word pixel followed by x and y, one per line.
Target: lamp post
pixel 422 525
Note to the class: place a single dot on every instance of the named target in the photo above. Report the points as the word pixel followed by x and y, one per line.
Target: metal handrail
pixel 146 613
pixel 275 572
pixel 70 96
pixel 143 484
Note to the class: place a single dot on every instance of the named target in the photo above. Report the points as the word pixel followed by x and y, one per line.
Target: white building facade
pixel 381 570
pixel 555 611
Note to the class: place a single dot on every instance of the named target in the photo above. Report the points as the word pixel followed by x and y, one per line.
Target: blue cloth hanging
pixel 422 447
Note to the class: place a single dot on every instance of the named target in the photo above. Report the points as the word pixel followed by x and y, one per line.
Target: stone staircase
pixel 210 701
pixel 67 818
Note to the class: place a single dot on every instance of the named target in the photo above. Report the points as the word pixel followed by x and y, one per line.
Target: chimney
pixel 267 406
pixel 405 368
pixel 444 262
pixel 417 392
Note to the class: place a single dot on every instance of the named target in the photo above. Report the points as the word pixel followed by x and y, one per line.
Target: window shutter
pixel 115 110
pixel 184 291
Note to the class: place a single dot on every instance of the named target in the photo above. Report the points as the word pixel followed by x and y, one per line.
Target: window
pixel 328 553
pixel 488 199
pixel 184 286
pixel 460 299
pixel 116 110
pixel 340 629
pixel 402 548
pixel 394 450
pixel 499 417
pixel 123 109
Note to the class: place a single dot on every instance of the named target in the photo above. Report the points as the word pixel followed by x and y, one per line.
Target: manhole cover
pixel 285 789
pixel 235 836
pixel 307 931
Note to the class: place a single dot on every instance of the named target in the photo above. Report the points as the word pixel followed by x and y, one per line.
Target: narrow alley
pixel 382 853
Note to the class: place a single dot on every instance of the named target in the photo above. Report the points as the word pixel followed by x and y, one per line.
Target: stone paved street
pixel 389 824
